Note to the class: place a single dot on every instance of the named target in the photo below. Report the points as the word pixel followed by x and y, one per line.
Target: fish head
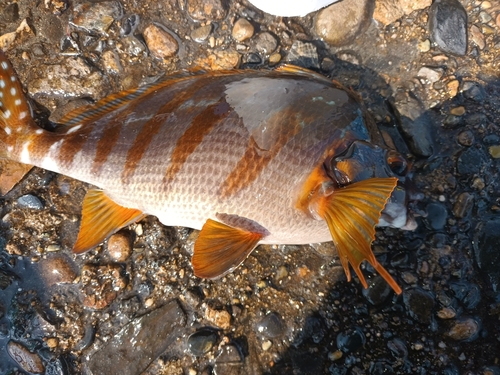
pixel 363 160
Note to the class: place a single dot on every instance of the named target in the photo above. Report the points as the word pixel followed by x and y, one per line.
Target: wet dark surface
pixel 135 307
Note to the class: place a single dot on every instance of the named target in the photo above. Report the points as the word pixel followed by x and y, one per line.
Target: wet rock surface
pixel 428 76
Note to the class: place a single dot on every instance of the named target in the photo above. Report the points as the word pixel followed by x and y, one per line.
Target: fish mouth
pixel 361 161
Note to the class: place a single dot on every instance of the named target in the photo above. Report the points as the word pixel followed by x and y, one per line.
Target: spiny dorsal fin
pixel 294 69
pixel 220 248
pixel 101 217
pixel 352 213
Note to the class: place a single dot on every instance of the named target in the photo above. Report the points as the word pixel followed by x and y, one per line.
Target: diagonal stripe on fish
pixel 248 157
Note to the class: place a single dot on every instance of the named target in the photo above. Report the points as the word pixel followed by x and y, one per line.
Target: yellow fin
pixel 101 217
pixel 352 214
pixel 220 248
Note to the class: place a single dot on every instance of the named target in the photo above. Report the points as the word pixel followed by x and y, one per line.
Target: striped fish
pixel 247 157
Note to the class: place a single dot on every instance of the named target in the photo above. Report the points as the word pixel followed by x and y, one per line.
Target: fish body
pixel 247 157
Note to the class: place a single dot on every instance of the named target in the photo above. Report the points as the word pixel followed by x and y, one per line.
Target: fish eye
pixel 397 163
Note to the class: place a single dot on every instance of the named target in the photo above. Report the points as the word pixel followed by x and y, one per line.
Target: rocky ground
pixel 428 73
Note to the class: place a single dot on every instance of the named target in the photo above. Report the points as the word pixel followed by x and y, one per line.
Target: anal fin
pixel 220 248
pixel 352 212
pixel 101 217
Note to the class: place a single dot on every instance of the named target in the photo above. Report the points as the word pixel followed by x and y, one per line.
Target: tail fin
pixel 15 114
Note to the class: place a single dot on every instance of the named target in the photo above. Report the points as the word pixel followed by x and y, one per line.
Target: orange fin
pixel 289 68
pixel 352 214
pixel 101 217
pixel 220 248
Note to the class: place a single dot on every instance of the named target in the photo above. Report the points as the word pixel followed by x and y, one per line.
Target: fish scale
pixel 241 155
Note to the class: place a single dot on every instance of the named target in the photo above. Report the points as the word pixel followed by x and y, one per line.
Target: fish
pixel 247 157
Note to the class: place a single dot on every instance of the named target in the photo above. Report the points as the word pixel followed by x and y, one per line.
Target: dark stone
pixel 306 363
pixel 436 216
pixel 30 201
pixel 378 291
pixel 467 293
pixel 487 250
pixel 471 161
pixel 140 342
pixel 200 342
pixel 448 26
pixel 351 340
pixel 419 304
pixel 398 348
pixel 271 326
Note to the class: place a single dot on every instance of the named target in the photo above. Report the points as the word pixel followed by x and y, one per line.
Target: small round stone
pixel 494 151
pixel 200 342
pixel 201 33
pixel 52 342
pixel 466 138
pixel 266 345
pixel 120 246
pixel 351 340
pixel 242 30
pixel 271 326
pixel 29 362
pixel 220 318
pixel 160 42
pixel 57 270
pixel 266 43
pixel 464 329
pixel 30 201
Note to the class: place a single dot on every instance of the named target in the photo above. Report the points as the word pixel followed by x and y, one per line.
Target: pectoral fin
pixel 101 217
pixel 220 248
pixel 352 213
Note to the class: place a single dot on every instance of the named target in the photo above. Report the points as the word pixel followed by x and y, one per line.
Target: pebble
pixel 389 11
pixel 10 174
pixel 203 10
pixel 29 362
pixel 415 124
pixel 129 25
pixel 58 269
pixel 120 245
pixel 485 245
pixel 494 151
pixel 341 22
pixel 222 60
pixel 466 138
pixel 30 201
pixel 419 304
pixel 221 318
pixel 398 348
pixel 96 18
pixel 271 326
pixel 202 341
pixel 424 45
pixel 160 42
pixel 474 91
pixel 351 340
pixel 471 161
pixel 430 75
pixel 265 43
pixel 464 330
pixel 141 341
pixel 266 345
pixel 458 111
pixel 101 284
pixel 452 87
pixel 436 215
pixel 463 206
pixel 275 58
pixel 484 17
pixel 242 30
pixel 447 313
pixel 448 26
pixel 377 292
pixel 111 62
pixel 202 33
pixel 303 54
pixel 477 37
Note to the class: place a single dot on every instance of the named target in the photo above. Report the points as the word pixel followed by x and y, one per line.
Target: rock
pixel 472 160
pixel 202 341
pixel 10 13
pixel 341 22
pixel 388 11
pixel 463 206
pixel 242 30
pixel 436 216
pixel 96 18
pixel 398 348
pixel 111 62
pixel 120 245
pixel 201 34
pixel 7 39
pixel 486 240
pixel 430 75
pixel 58 269
pixel 220 318
pixel 221 60
pixel 29 362
pixel 474 91
pixel 30 201
pixel 160 42
pixel 494 151
pixel 101 284
pixel 377 292
pixel 464 330
pixel 11 173
pixel 351 340
pixel 129 25
pixel 303 54
pixel 140 342
pixel 203 10
pixel 452 87
pixel 415 124
pixel 448 26
pixel 265 43
pixel 466 138
pixel 271 326
pixel 419 304
pixel 477 37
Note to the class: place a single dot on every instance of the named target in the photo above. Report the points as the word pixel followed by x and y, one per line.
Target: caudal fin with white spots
pixel 15 115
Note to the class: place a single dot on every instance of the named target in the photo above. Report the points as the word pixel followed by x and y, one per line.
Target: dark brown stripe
pixel 202 124
pixel 106 143
pixel 73 143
